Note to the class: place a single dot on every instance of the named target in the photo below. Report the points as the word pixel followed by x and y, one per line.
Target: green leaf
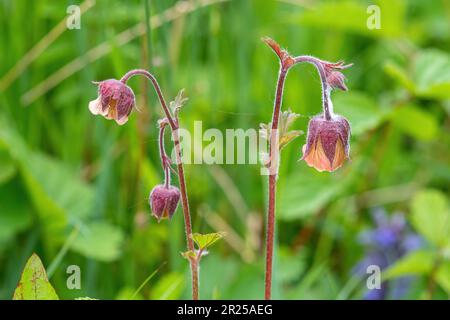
pixel 431 216
pixel 415 122
pixel 399 74
pixel 203 241
pixel 58 194
pixel 353 17
pixel 415 263
pixel 306 191
pixel 286 135
pixel 7 165
pixel 53 219
pixel 34 284
pixel 432 74
pixel 100 241
pixel 360 110
pixel 443 276
pixel 429 76
pixel 15 213
pixel 62 186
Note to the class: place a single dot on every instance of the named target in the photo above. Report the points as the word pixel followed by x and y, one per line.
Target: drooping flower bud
pixel 327 144
pixel 164 201
pixel 334 78
pixel 115 101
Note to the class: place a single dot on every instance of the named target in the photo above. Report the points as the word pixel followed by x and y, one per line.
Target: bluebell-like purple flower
pixel 390 240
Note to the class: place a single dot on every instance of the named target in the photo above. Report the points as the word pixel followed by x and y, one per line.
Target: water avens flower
pixel 327 143
pixel 164 201
pixel 328 135
pixel 115 101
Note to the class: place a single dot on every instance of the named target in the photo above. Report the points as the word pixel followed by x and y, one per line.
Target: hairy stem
pixel 325 92
pixel 173 122
pixel 149 76
pixel 273 181
pixel 163 155
pixel 286 62
pixel 187 216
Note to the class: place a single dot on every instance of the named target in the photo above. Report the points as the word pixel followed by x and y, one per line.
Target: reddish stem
pixel 325 94
pixel 155 83
pixel 164 159
pixel 173 122
pixel 272 181
pixel 286 62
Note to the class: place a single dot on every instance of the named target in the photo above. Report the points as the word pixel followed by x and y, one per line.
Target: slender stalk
pixel 286 62
pixel 173 122
pixel 185 204
pixel 325 88
pixel 273 181
pixel 149 76
pixel 164 158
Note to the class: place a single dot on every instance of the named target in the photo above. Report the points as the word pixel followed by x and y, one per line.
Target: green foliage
pixel 34 284
pixel 63 170
pixel 286 135
pixel 431 216
pixel 16 216
pixel 296 202
pixel 443 276
pixel 415 263
pixel 361 111
pixel 99 240
pixel 430 75
pixel 204 241
pixel 407 119
pixel 8 166
pixel 353 17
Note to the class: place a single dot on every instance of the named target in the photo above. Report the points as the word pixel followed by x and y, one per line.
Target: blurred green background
pixel 74 188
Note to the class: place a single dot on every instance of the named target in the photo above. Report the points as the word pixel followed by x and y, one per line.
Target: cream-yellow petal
pixel 317 158
pixel 95 106
pixel 339 155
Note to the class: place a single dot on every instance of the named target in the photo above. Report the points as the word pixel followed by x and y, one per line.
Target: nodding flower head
pixel 334 78
pixel 327 143
pixel 164 201
pixel 115 101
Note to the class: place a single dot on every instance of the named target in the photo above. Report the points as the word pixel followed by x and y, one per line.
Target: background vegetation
pixel 74 188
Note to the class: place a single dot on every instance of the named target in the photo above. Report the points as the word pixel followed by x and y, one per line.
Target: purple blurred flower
pixel 390 240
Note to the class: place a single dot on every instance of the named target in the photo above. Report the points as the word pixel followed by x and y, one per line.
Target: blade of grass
pixel 147 280
pixel 38 49
pixel 175 12
pixel 62 252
